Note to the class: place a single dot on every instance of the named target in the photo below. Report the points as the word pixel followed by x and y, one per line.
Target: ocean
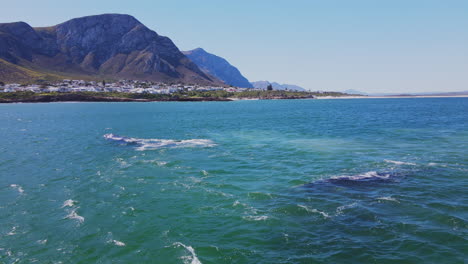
pixel 274 181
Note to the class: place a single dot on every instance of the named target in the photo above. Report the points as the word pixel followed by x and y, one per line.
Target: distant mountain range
pixel 218 67
pixel 276 86
pixel 351 91
pixel 446 93
pixel 94 47
pixel 433 93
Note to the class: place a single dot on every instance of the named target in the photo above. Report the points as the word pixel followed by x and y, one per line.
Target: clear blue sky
pixel 367 45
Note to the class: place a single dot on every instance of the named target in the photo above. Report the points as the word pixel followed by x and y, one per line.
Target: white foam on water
pixel 184 185
pixel 388 198
pixel 118 243
pixel 236 203
pixel 17 187
pixel 12 232
pixel 153 144
pixel 74 215
pixel 8 253
pixel 68 203
pixel 193 259
pixel 432 164
pixel 256 217
pixel 123 163
pixel 313 210
pixel 161 163
pixel 204 172
pixel 340 209
pixel 42 242
pixel 400 162
pixel 367 175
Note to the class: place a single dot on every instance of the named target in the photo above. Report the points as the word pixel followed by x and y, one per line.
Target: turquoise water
pixel 287 181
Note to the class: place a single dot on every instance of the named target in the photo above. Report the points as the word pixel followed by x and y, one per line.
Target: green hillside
pixel 10 73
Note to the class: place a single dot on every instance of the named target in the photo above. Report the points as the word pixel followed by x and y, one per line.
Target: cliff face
pixel 111 45
pixel 218 67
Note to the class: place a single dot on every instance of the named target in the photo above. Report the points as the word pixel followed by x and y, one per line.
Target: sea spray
pixel 193 258
pixel 153 144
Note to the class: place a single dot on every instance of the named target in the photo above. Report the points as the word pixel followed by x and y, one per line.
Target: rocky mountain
pixel 102 46
pixel 276 86
pixel 218 67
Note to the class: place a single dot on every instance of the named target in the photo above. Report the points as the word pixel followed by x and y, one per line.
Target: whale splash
pixel 153 144
pixel 362 179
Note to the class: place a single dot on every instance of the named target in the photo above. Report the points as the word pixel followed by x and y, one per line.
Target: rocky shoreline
pixel 93 98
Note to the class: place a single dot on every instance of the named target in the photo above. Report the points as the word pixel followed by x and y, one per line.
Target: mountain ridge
pixel 218 67
pixel 100 46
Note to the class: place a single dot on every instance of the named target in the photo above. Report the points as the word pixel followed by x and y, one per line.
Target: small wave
pixel 236 203
pixel 157 162
pixel 12 232
pixel 68 203
pixel 340 209
pixel 433 164
pixel 123 164
pixel 193 259
pixel 250 213
pixel 256 217
pixel 400 162
pixel 42 242
pixel 388 198
pixel 161 163
pixel 118 243
pixel 153 144
pixel 74 215
pixel 325 215
pixel 17 187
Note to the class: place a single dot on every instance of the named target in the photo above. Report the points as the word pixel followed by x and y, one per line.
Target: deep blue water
pixel 282 181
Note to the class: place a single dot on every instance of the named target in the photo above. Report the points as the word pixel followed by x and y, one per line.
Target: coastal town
pixel 122 86
pixel 138 91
